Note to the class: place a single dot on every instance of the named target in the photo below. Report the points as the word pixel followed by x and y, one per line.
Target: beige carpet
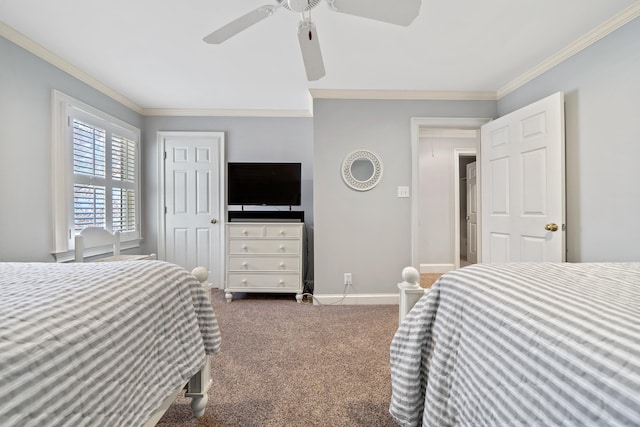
pixel 427 279
pixel 289 364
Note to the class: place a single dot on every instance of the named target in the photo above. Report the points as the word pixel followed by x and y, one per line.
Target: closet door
pixel 193 195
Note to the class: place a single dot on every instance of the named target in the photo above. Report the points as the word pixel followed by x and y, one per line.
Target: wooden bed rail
pixel 198 386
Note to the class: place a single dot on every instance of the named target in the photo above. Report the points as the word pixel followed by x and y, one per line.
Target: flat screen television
pixel 265 184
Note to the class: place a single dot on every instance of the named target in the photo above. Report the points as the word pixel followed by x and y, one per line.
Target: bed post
pixel 199 384
pixel 410 291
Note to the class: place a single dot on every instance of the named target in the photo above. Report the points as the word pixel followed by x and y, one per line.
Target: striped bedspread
pixel 98 344
pixel 522 345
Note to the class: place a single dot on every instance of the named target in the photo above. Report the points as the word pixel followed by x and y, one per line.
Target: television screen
pixel 268 184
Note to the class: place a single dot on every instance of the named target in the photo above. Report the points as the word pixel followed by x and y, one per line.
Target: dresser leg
pixel 228 296
pixel 299 298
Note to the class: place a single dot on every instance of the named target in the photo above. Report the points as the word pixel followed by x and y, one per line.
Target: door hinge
pixel 165 155
pixel 165 210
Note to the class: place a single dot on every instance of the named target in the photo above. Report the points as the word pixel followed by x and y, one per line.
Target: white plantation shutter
pixel 99 156
pixel 89 145
pixel 124 210
pixel 88 206
pixel 89 179
pixel 123 173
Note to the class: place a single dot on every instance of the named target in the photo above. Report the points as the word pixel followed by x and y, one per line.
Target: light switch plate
pixel 403 191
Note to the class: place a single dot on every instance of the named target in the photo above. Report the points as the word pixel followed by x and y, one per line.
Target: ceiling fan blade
pixel 310 48
pixel 239 24
pixel 399 12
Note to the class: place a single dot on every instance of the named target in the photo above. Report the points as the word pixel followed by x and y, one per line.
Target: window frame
pixel 64 110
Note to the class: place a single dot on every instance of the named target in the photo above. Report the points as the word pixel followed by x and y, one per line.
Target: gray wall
pixel 25 143
pixel 26 83
pixel 602 108
pixel 247 139
pixel 368 233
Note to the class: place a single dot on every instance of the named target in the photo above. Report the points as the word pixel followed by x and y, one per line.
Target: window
pixel 96 174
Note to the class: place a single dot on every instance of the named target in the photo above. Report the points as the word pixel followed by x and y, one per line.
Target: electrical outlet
pixel 347 279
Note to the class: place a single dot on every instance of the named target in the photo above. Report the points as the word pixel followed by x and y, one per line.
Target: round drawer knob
pixel 244 248
pixel 282 232
pixel 281 247
pixel 245 232
pixel 282 265
pixel 281 281
pixel 245 264
pixel 244 281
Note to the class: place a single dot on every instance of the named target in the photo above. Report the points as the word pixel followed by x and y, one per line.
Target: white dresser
pixel 264 257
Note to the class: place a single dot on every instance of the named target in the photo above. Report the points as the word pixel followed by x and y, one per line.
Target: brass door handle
pixel 214 221
pixel 551 227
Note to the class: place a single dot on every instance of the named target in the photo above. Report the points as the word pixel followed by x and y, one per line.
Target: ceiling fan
pixel 399 12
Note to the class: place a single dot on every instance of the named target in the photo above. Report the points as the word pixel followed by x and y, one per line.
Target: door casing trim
pixel 418 123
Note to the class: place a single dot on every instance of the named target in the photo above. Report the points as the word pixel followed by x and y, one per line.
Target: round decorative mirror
pixel 362 170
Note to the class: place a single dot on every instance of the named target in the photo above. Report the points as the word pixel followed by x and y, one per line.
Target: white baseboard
pixel 436 268
pixel 356 299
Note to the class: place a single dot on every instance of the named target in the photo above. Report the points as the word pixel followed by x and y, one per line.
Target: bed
pixel 522 344
pixel 97 344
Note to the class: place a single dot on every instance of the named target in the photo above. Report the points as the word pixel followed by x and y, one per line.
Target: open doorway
pixel 467 213
pixel 443 233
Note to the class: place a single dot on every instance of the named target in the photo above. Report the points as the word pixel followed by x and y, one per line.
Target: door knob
pixel 551 227
pixel 214 221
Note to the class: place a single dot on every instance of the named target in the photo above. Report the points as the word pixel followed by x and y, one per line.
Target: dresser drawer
pixel 245 230
pixel 264 263
pixel 264 257
pixel 238 281
pixel 248 246
pixel 293 231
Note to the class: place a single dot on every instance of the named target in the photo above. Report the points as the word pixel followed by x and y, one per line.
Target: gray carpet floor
pixel 287 364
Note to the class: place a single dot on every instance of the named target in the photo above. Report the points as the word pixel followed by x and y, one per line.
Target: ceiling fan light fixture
pixel 398 12
pixel 300 5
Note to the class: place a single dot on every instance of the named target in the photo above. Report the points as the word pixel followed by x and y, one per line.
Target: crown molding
pixel 402 95
pixel 224 112
pixel 19 39
pixel 603 30
pixel 41 52
pixel 609 26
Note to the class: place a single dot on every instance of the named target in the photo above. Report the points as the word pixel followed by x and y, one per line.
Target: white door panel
pixel 499 246
pixel 193 191
pixel 472 213
pixel 522 166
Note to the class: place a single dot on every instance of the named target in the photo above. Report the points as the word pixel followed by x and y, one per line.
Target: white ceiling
pixel 152 53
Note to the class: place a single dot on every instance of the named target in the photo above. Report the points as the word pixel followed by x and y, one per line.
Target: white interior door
pixel 193 198
pixel 472 214
pixel 522 184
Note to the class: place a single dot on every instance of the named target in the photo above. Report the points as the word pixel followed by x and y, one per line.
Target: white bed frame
pixel 410 291
pixel 199 384
pixel 94 240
